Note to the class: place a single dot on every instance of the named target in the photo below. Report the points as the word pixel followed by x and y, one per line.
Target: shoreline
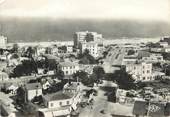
pixel 105 42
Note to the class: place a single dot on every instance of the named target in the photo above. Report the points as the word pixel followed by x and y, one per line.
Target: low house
pixel 33 90
pixel 75 89
pixel 57 104
pixel 72 87
pixel 121 95
pixel 69 67
pixel 12 88
pixel 163 43
pixel 154 58
pixel 69 48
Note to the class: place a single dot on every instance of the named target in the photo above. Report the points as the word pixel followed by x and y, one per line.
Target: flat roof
pixel 31 86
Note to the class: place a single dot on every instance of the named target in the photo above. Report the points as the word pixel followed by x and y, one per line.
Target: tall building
pixel 3 42
pixel 81 37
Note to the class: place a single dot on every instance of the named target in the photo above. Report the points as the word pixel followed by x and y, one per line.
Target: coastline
pixel 105 42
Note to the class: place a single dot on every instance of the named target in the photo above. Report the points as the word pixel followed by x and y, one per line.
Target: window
pixel 143 78
pixel 66 72
pixel 148 71
pixel 143 72
pixel 68 102
pixel 51 104
pixel 60 103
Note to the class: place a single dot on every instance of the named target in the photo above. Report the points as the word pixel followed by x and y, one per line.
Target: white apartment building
pixel 69 67
pixel 32 90
pixel 92 47
pixel 140 71
pixel 153 58
pixel 86 36
pixel 3 42
pixel 164 44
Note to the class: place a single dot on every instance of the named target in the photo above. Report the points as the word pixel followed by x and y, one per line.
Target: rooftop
pixel 32 86
pixel 72 85
pixel 57 96
pixel 67 64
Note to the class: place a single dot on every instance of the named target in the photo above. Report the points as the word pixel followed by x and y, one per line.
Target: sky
pixel 149 10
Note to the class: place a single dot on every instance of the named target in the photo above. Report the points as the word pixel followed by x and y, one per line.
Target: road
pixel 101 103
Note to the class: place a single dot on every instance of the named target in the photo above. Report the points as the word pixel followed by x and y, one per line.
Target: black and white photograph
pixel 84 58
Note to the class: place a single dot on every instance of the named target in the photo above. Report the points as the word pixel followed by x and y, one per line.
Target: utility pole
pixel 148 111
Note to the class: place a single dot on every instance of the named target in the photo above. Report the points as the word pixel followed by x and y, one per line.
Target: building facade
pixel 3 42
pixel 140 71
pixel 85 36
pixel 33 90
pixel 92 47
pixel 69 67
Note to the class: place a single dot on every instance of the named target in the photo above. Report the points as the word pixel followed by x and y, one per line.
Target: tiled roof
pixel 57 96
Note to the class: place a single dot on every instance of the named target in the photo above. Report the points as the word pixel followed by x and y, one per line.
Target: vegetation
pixel 83 77
pixel 98 73
pixel 166 56
pixel 131 52
pixel 122 78
pixel 86 58
pixel 15 48
pixel 26 68
pixel 63 48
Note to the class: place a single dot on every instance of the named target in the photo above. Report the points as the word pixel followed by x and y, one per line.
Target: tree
pixel 82 76
pixel 131 52
pixel 26 68
pixel 30 52
pixel 20 97
pixel 124 80
pixel 98 73
pixel 86 58
pixel 60 74
pixel 109 77
pixel 15 48
pixel 63 48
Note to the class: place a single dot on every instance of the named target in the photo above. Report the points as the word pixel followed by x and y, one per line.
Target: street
pixel 109 108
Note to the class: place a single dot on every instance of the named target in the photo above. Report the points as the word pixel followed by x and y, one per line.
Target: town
pixel 89 76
